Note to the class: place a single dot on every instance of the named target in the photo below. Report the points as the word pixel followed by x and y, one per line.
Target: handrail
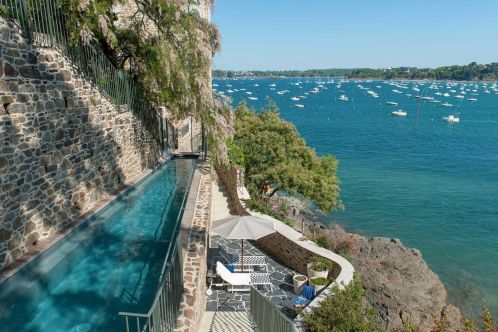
pixel 382 314
pixel 43 24
pixel 267 317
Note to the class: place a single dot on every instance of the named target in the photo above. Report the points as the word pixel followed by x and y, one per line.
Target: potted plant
pixel 318 267
pixel 299 280
pixel 318 284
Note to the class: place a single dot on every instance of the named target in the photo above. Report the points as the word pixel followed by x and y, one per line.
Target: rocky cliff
pixel 398 279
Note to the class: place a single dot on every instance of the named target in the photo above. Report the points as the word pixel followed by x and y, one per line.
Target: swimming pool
pixel 110 263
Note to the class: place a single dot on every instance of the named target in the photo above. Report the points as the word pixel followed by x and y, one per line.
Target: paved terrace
pixel 227 311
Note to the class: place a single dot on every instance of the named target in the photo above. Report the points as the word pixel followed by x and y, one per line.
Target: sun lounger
pixel 249 261
pixel 242 281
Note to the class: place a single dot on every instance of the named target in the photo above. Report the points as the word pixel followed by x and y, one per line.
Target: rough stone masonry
pixel 63 145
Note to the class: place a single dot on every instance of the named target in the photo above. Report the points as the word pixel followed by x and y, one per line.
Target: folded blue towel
pixel 230 268
pixel 299 300
pixel 308 292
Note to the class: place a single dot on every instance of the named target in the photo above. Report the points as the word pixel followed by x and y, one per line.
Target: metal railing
pixel 267 317
pixel 385 320
pixel 162 314
pixel 43 23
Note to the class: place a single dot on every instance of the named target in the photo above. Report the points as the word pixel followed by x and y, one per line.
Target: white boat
pixel 295 98
pixel 252 98
pixel 272 85
pixel 472 99
pixel 459 97
pixel 343 98
pixel 299 105
pixel 427 98
pixel 399 113
pixel 435 101
pixel 392 103
pixel 452 118
pixel 447 105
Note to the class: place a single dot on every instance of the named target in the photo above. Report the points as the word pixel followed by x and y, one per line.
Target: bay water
pixel 431 183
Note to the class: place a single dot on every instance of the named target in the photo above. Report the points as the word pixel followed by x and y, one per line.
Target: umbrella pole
pixel 242 257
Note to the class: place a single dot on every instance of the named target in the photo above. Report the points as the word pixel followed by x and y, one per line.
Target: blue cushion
pixel 308 292
pixel 230 268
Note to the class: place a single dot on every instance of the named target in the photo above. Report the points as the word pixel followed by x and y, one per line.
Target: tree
pixel 277 155
pixel 344 310
pixel 164 44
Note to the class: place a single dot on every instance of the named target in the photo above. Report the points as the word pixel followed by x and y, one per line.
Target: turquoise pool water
pixel 430 183
pixel 110 263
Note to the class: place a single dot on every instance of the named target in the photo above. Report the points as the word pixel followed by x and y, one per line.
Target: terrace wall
pixel 63 145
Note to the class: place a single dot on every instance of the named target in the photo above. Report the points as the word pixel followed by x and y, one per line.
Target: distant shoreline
pixel 350 79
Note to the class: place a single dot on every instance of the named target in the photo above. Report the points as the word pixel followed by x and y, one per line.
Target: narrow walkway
pixel 228 320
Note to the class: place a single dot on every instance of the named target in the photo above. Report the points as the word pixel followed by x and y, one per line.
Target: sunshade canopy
pixel 242 227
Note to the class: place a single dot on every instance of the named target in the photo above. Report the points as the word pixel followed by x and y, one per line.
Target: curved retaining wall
pixel 289 246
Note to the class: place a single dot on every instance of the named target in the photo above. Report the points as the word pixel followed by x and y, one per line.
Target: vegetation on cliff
pixel 165 45
pixel 277 159
pixel 470 72
pixel 344 310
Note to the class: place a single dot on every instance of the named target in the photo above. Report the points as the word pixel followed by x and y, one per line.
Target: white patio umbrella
pixel 242 228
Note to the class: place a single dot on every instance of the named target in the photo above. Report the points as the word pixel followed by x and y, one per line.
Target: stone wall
pixel 194 232
pixel 230 179
pixel 63 145
pixel 294 256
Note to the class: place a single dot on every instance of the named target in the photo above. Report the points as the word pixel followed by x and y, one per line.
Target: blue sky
pixel 305 34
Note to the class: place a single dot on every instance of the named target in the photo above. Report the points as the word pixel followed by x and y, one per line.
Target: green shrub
pixel 235 153
pixel 318 263
pixel 344 310
pixel 488 321
pixel 318 281
pixel 320 239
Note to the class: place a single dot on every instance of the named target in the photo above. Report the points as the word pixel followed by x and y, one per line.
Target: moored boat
pixel 399 113
pixel 452 118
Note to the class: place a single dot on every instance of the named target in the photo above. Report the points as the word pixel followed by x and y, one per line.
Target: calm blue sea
pixel 430 183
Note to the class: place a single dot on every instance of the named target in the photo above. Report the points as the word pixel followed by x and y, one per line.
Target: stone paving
pixel 226 303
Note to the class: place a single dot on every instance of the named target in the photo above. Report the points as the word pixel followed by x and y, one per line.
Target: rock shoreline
pixel 396 278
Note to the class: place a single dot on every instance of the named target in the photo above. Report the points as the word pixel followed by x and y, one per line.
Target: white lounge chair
pixel 241 281
pixel 249 262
